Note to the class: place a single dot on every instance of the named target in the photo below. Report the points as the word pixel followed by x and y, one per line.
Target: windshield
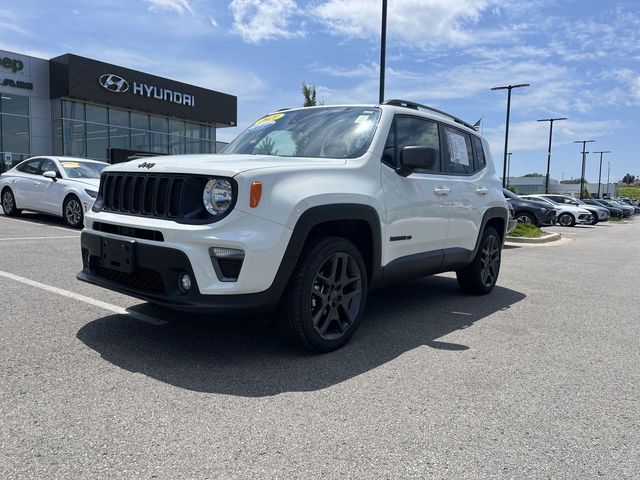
pixel 540 199
pixel 510 194
pixel 77 169
pixel 330 132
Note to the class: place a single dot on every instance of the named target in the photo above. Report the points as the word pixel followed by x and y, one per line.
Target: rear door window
pixel 459 156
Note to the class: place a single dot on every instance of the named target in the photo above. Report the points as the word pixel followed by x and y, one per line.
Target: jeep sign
pixel 12 63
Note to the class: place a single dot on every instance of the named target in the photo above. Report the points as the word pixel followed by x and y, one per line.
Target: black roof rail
pixel 417 106
pixel 283 109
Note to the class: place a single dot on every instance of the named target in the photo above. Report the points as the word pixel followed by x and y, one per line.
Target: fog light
pixel 185 282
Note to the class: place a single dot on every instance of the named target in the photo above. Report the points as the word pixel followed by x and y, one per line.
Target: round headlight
pixel 217 196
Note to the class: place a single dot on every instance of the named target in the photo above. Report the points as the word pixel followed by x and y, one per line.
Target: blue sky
pixel 582 59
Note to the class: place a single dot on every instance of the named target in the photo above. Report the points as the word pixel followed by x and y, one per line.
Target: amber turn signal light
pixel 256 193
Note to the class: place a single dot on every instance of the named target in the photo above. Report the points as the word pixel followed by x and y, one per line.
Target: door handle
pixel 482 191
pixel 442 191
pixel 36 184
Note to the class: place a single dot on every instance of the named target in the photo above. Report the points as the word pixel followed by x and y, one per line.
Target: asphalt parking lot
pixel 540 379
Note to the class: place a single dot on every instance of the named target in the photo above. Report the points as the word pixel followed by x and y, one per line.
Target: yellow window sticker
pixel 270 118
pixel 70 164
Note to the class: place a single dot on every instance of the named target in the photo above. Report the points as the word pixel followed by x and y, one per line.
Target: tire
pixel 594 219
pixel 325 300
pixel 481 275
pixel 566 220
pixel 9 203
pixel 72 212
pixel 526 218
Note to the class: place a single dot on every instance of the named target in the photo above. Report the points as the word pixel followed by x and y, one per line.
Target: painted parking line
pixel 13 239
pixel 81 298
pixel 25 221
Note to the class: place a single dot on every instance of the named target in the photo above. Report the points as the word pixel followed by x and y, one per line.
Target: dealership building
pixel 71 105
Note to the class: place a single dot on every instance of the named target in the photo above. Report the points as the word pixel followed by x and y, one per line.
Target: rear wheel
pixel 72 212
pixel 9 203
pixel 326 296
pixel 481 275
pixel 526 218
pixel 566 220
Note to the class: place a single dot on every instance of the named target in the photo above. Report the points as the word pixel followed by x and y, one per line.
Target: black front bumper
pixel 155 278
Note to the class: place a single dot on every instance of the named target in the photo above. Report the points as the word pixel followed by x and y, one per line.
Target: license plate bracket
pixel 118 254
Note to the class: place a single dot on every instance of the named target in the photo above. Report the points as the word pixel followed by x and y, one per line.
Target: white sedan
pixel 566 215
pixel 61 186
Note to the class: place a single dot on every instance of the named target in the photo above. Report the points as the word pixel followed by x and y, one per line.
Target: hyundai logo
pixel 113 83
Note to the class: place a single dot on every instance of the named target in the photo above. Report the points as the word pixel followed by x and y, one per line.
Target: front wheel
pixel 526 218
pixel 481 275
pixel 326 296
pixel 72 212
pixel 9 203
pixel 566 220
pixel 594 219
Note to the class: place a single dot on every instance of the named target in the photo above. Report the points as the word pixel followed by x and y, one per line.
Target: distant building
pixel 533 185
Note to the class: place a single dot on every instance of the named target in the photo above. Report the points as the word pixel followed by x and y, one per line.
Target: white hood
pixel 217 165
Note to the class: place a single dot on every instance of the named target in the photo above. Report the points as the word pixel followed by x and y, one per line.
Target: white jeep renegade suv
pixel 304 213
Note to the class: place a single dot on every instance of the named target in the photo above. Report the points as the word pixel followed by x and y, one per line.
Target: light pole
pixel 608 172
pixel 383 48
pixel 508 167
pixel 584 161
pixel 550 120
pixel 506 132
pixel 600 172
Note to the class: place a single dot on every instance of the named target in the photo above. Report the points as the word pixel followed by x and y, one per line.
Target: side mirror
pixel 51 174
pixel 422 158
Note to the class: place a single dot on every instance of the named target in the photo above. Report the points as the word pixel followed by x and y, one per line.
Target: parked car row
pixel 62 186
pixel 549 209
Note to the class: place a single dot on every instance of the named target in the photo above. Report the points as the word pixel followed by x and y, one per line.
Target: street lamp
pixel 584 160
pixel 383 48
pixel 550 120
pixel 508 167
pixel 608 172
pixel 600 172
pixel 506 132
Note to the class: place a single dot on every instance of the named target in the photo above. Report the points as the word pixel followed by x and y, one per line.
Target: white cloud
pixel 213 21
pixel 178 6
pixel 259 20
pixel 418 22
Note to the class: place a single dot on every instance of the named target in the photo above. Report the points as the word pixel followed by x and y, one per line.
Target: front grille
pixel 142 279
pixel 158 196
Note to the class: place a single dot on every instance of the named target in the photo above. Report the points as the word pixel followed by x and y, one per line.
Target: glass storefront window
pixel 72 110
pixel 159 124
pixel 140 140
pixel 176 127
pixel 176 145
pixel 74 136
pixel 15 134
pixel 97 140
pixel 14 104
pixel 139 121
pixel 97 114
pixel 119 137
pixel 159 143
pixel 118 118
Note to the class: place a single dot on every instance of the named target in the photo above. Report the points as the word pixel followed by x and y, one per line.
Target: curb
pixel 550 237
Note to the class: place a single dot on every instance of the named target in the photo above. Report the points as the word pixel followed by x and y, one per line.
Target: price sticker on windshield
pixel 70 164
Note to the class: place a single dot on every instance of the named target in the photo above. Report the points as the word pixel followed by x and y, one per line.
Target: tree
pixel 573 181
pixel 533 175
pixel 628 179
pixel 309 93
pixel 512 189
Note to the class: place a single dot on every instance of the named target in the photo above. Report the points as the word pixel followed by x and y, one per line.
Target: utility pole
pixel 383 48
pixel 584 161
pixel 506 132
pixel 550 120
pixel 600 172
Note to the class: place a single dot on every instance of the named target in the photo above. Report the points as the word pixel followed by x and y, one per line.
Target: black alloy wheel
pixel 481 275
pixel 326 296
pixel 9 203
